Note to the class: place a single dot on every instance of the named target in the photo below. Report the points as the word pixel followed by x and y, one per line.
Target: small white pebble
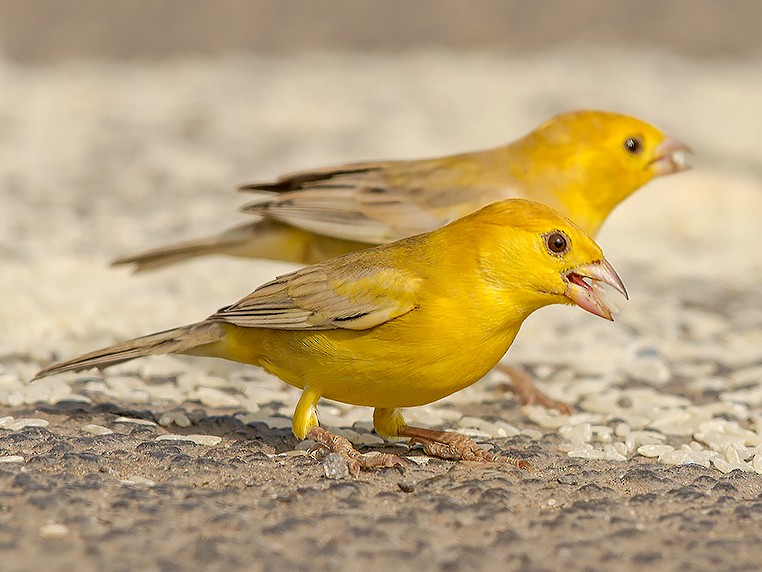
pixel 532 434
pixel 731 455
pixel 96 429
pixel 506 429
pixel 53 530
pixel 620 448
pixel 724 467
pixel 135 421
pixel 139 481
pixel 647 437
pixel 622 430
pixel 174 417
pixel 12 459
pixel 654 450
pixel 587 453
pixel 757 463
pixel 25 422
pixel 578 434
pixel 612 454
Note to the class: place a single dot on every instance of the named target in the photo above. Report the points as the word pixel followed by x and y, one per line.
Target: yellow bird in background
pixel 582 163
pixel 398 325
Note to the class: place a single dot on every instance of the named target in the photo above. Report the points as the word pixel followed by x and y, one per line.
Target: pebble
pixel 724 467
pixel 140 481
pixel 135 421
pixel 612 454
pixel 506 429
pixel 654 450
pixel 621 430
pixel 12 459
pixel 96 429
pixel 335 466
pixel 53 530
pixel 685 457
pixel 532 434
pixel 577 434
pixel 587 453
pixel 17 424
pixel 174 417
pixel 757 463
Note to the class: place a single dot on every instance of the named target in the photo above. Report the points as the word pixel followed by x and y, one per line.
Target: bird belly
pixel 376 368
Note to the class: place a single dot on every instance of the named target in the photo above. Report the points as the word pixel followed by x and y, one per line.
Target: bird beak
pixel 590 295
pixel 670 157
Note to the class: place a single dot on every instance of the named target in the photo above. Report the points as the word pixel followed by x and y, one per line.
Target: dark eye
pixel 634 145
pixel 557 242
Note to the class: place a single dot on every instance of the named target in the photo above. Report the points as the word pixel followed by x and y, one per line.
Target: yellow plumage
pixel 397 325
pixel 582 163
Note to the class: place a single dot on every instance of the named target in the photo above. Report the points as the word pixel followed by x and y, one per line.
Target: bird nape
pixel 399 325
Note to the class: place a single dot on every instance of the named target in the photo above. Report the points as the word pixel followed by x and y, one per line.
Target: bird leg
pixel 522 385
pixel 355 460
pixel 448 445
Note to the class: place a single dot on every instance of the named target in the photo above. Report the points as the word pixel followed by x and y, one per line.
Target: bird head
pixel 607 156
pixel 544 258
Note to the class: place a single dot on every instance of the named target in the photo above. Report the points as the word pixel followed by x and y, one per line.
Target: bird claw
pixel 326 443
pixel 448 445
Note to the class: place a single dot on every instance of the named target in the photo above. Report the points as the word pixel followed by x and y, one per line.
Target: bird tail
pixel 249 240
pixel 266 239
pixel 182 340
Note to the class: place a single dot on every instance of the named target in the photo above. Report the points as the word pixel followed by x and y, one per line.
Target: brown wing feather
pixel 342 293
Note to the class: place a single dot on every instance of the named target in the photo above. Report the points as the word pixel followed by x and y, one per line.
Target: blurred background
pixel 125 125
pixel 47 31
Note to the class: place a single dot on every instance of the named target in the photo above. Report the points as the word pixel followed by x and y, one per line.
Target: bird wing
pixel 340 294
pixel 378 202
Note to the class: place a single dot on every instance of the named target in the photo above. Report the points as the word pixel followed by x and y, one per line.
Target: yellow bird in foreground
pixel 398 325
pixel 582 163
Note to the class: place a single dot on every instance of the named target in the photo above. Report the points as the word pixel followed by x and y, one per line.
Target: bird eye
pixel 557 242
pixel 633 145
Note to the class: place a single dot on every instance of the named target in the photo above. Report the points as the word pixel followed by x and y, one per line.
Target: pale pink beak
pixel 590 295
pixel 670 157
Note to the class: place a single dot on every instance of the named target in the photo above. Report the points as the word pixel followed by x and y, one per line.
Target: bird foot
pixel 523 387
pixel 448 445
pixel 326 442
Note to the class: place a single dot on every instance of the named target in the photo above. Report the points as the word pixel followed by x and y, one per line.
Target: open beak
pixel 589 295
pixel 670 157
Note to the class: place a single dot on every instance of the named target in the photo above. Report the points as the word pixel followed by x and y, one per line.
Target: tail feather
pixel 175 341
pixel 237 241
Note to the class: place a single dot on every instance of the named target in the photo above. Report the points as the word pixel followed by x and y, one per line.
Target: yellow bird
pixel 582 163
pixel 398 325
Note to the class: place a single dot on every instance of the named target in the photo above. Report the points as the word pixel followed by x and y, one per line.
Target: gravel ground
pixel 180 463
